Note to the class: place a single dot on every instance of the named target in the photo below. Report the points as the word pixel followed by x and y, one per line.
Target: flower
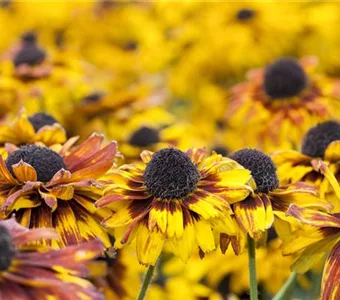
pixel 58 189
pixel 37 128
pixel 268 202
pixel 317 163
pixel 277 105
pixel 27 271
pixel 174 198
pixel 321 235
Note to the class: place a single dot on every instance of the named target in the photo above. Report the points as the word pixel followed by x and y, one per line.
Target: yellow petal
pixel 332 152
pixel 24 172
pixel 175 220
pixel 204 236
pixel 149 245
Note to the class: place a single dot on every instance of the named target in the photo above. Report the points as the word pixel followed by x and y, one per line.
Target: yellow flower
pixel 27 271
pixel 321 235
pixel 37 128
pixel 174 198
pixel 269 201
pixel 276 106
pixel 58 189
pixel 317 163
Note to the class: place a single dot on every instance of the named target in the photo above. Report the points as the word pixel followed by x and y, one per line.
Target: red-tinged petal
pixel 225 240
pixel 321 167
pixel 26 189
pixel 313 217
pixel 24 172
pixel 65 223
pixel 62 176
pixel 94 171
pixel 146 156
pixel 49 199
pixel 332 152
pixel 5 176
pixel 331 276
pixel 251 215
pixel 105 155
pixel 34 235
pixel 122 196
pixel 67 145
pixel 83 151
pixel 197 154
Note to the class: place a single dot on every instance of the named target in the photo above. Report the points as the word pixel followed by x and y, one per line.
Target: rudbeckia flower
pixel 29 272
pixel 279 104
pixel 50 189
pixel 256 213
pixel 37 128
pixel 174 198
pixel 317 163
pixel 321 235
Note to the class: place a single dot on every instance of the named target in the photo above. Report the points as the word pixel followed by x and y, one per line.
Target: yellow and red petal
pixel 5 176
pixel 146 156
pixel 313 217
pixel 251 215
pixel 175 219
pixel 24 172
pixel 196 154
pixel 330 288
pixel 205 204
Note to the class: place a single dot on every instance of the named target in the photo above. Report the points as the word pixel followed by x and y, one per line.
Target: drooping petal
pixel 149 245
pixel 251 215
pixel 314 253
pixel 175 219
pixel 158 216
pixel 204 235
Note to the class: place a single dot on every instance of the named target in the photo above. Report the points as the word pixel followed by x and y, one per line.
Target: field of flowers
pixel 169 150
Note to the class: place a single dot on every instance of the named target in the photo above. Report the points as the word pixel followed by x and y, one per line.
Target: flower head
pixel 269 201
pixel 176 199
pixel 58 188
pixel 27 270
pixel 278 104
pixel 316 163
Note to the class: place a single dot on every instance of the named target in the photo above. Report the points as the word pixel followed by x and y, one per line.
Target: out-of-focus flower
pixel 174 198
pixel 36 128
pixel 321 235
pixel 276 106
pixel 58 189
pixel 269 201
pixel 27 271
pixel 318 162
pixel 118 278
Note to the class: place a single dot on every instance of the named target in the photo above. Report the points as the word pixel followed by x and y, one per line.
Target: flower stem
pixel 146 282
pixel 252 269
pixel 286 288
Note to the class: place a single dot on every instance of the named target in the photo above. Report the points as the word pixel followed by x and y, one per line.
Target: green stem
pixel 286 289
pixel 252 269
pixel 146 282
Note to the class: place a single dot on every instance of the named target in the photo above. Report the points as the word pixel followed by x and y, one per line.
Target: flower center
pixel 130 46
pixel 171 174
pixel 41 119
pixel 261 166
pixel 144 136
pixel 7 249
pixel 29 54
pixel 45 161
pixel 245 14
pixel 284 78
pixel 319 137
